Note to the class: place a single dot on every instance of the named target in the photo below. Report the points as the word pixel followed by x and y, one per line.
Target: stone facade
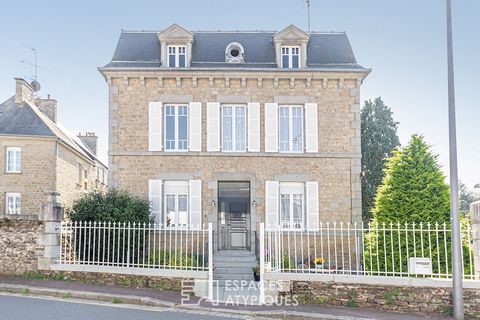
pixel 20 249
pixel 336 166
pixel 37 173
pixel 385 297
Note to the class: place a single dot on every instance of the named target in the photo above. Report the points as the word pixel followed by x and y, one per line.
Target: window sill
pixel 13 172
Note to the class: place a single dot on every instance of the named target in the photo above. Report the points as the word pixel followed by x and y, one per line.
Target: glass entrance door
pixel 234 215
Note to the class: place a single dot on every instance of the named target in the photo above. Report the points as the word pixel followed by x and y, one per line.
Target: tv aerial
pixel 35 84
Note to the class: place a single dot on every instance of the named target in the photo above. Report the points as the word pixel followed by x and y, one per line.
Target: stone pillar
pixel 475 219
pixel 52 216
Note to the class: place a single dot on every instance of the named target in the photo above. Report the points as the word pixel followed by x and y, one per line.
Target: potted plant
pixel 318 262
pixel 256 273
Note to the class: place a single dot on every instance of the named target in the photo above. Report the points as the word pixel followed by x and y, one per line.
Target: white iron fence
pixel 382 249
pixel 134 245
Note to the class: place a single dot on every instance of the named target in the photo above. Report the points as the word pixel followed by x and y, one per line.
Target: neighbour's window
pixel 14 159
pixel 176 128
pixel 234 128
pixel 13 203
pixel 291 204
pixel 176 204
pixel 290 57
pixel 290 128
pixel 176 56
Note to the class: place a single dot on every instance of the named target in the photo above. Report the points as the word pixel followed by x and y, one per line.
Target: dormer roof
pixel 291 34
pixel 175 33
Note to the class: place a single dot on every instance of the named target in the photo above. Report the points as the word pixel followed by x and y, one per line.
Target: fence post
pixel 475 220
pixel 210 261
pixel 52 216
pixel 262 263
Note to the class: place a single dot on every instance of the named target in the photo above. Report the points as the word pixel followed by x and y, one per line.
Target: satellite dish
pixel 35 85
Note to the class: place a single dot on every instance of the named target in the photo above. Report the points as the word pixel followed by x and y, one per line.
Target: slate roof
pixel 141 49
pixel 25 119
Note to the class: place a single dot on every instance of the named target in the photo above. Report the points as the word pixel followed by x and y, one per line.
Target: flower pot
pixel 256 276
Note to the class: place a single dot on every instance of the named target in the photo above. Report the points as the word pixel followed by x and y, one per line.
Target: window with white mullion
pixel 13 203
pixel 290 128
pixel 234 129
pixel 176 128
pixel 176 204
pixel 290 57
pixel 292 205
pixel 14 159
pixel 176 56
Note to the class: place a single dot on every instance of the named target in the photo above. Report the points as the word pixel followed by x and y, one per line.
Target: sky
pixel 402 41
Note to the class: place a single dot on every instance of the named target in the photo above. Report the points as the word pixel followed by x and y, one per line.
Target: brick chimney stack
pixel 90 140
pixel 23 91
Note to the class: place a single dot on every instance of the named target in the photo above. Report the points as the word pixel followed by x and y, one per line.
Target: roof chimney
pixel 48 107
pixel 90 140
pixel 23 91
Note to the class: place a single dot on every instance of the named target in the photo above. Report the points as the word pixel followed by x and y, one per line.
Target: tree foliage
pixel 113 206
pixel 414 188
pixel 379 139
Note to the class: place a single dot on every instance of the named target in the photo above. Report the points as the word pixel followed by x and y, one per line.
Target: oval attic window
pixel 234 53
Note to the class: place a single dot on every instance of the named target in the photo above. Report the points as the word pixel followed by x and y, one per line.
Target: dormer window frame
pixel 176 55
pixel 291 37
pixel 178 37
pixel 289 52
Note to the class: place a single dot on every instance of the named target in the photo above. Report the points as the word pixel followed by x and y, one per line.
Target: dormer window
pixel 175 47
pixel 234 53
pixel 176 56
pixel 291 48
pixel 291 57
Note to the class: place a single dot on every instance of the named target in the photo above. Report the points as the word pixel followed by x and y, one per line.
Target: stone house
pixel 237 128
pixel 38 155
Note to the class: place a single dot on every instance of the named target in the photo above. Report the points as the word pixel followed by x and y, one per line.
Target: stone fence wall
pixel 385 297
pixel 19 245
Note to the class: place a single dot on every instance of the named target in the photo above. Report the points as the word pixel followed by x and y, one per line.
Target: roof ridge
pixel 232 31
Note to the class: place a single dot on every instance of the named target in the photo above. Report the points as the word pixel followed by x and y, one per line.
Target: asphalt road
pixel 32 308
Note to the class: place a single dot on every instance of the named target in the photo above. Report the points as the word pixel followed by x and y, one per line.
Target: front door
pixel 234 215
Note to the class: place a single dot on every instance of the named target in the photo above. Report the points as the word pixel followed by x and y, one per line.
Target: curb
pixel 151 302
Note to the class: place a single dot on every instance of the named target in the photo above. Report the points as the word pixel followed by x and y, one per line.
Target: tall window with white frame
pixel 13 203
pixel 290 128
pixel 292 205
pixel 176 204
pixel 176 128
pixel 290 57
pixel 234 128
pixel 14 160
pixel 177 56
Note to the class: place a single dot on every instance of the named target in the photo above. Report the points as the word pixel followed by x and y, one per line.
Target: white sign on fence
pixel 420 266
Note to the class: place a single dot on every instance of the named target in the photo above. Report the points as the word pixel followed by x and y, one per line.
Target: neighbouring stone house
pixel 237 128
pixel 38 155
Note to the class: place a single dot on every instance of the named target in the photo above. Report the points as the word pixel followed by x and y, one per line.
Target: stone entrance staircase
pixel 233 278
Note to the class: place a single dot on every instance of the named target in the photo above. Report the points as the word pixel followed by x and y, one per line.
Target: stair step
pixel 231 270
pixel 222 265
pixel 234 276
pixel 234 259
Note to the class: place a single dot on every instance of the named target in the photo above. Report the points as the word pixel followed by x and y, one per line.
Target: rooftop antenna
pixel 35 84
pixel 307 2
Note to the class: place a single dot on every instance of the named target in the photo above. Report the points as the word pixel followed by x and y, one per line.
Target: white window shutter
pixel 271 127
pixel 195 130
pixel 271 204
pixel 213 126
pixel 253 127
pixel 154 126
pixel 195 203
pixel 313 214
pixel 311 127
pixel 155 198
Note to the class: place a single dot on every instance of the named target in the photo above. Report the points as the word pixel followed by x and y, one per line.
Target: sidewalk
pixel 161 298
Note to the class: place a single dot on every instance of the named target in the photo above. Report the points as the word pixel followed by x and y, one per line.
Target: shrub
pixel 119 208
pixel 113 206
pixel 176 259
